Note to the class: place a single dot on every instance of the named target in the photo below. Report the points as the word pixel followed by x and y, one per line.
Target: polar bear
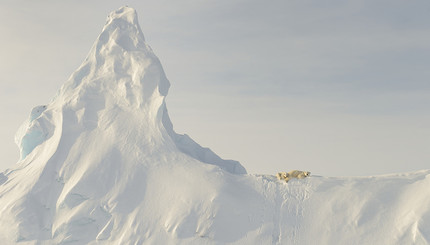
pixel 293 174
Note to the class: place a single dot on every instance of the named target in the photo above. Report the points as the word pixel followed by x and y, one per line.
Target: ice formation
pixel 101 164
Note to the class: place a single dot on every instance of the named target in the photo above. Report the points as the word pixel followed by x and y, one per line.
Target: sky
pixel 338 88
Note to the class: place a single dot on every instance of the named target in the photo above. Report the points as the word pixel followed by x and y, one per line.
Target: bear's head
pixel 282 175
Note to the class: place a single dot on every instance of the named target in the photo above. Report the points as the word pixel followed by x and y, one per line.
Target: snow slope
pixel 101 164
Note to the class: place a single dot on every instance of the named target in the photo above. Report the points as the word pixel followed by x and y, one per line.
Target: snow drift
pixel 101 164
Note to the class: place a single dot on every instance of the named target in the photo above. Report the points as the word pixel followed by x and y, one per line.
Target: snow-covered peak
pixel 118 93
pixel 124 13
pixel 121 66
pixel 123 27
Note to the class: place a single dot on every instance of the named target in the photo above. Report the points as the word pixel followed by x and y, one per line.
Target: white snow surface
pixel 101 164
